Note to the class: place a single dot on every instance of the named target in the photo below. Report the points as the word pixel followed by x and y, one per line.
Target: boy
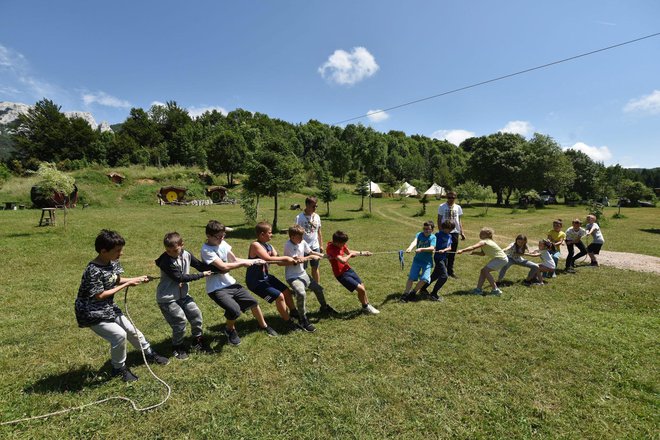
pixel 452 211
pixel 262 283
pixel 420 269
pixel 339 254
pixel 172 296
pixel 222 287
pixel 311 223
pixel 498 260
pixel 443 244
pixel 297 277
pixel 574 236
pixel 597 239
pixel 95 307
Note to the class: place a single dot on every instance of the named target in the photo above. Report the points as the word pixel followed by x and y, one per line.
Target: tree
pixel 635 191
pixel 587 175
pixel 274 170
pixel 227 153
pixel 326 193
pixel 42 133
pixel 546 165
pixel 471 190
pixel 362 189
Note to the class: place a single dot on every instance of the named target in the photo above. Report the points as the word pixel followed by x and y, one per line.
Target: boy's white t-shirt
pixel 597 235
pixel 295 250
pixel 209 254
pixel 311 224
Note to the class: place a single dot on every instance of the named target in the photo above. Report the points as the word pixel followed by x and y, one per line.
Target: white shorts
pixel 496 264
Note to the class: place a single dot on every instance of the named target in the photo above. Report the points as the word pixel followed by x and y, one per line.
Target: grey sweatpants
pixel 116 333
pixel 299 286
pixel 177 312
pixel 533 267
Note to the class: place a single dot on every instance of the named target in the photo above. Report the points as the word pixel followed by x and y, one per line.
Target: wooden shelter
pixel 116 177
pixel 216 193
pixel 171 194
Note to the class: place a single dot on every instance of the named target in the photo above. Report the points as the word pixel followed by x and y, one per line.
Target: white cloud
pixel 377 115
pixel 103 98
pixel 199 111
pixel 15 73
pixel 158 103
pixel 453 136
pixel 523 128
pixel 645 104
pixel 349 68
pixel 597 154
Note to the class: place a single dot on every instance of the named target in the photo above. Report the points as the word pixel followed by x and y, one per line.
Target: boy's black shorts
pixel 594 248
pixel 350 280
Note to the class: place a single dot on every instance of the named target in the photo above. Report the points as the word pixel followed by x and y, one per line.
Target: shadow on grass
pixel 342 219
pixel 651 230
pixel 17 235
pixel 71 381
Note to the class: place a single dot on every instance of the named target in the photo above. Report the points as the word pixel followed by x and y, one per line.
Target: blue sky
pixel 331 61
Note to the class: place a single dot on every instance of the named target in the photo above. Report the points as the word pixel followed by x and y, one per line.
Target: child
pixel 222 287
pixel 95 307
pixel 597 239
pixel 574 236
pixel 515 253
pixel 298 279
pixel 498 260
pixel 443 244
pixel 420 269
pixel 547 262
pixel 264 284
pixel 311 223
pixel 557 237
pixel 172 294
pixel 339 254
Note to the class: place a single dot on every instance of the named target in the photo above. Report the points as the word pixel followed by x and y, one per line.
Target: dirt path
pixel 620 260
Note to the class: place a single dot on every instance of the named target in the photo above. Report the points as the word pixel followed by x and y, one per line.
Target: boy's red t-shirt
pixel 338 267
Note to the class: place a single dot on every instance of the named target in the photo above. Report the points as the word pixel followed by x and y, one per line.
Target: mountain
pixel 9 112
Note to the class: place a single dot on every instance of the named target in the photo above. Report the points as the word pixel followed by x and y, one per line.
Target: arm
pixel 201 267
pixel 462 231
pixel 121 284
pixel 260 252
pixel 412 244
pixel 426 249
pixel 174 271
pixel 471 248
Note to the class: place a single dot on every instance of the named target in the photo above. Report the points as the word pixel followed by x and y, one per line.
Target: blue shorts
pixel 420 267
pixel 350 280
pixel 269 289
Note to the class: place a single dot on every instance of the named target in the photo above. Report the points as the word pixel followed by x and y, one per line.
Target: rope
pixel 98 402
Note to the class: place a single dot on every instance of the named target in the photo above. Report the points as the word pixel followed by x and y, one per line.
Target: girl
pixel 547 262
pixel 498 260
pixel 515 252
pixel 557 237
pixel 574 236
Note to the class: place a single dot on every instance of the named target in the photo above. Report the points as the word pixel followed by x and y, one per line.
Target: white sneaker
pixel 370 310
pixel 496 292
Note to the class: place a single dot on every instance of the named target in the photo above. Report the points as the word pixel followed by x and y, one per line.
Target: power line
pixel 543 66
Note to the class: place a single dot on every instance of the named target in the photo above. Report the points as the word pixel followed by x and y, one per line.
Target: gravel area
pixel 626 260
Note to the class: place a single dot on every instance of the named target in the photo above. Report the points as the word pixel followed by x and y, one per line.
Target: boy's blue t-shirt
pixel 442 241
pixel 423 242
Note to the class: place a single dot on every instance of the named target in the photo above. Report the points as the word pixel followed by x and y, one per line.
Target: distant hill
pixel 9 112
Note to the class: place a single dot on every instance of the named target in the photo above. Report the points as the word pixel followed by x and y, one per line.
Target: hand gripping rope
pixel 402 252
pixel 135 406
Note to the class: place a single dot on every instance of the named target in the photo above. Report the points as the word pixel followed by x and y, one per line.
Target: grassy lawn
pixel 577 358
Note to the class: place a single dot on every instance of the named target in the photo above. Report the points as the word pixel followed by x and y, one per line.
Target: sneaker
pixel 570 270
pixel 496 292
pixel 538 283
pixel 199 345
pixel 232 336
pixel 327 310
pixel 424 292
pixel 307 326
pixel 270 331
pixel 554 275
pixel 594 263
pixel 435 297
pixel 292 326
pixel 477 291
pixel 453 275
pixel 370 310
pixel 155 358
pixel 527 283
pixel 294 314
pixel 126 374
pixel 179 352
pixel 405 297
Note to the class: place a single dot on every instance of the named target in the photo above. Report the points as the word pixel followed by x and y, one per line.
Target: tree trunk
pixel 327 207
pixel 362 203
pixel 508 196
pixel 275 216
pixel 499 197
pixel 256 208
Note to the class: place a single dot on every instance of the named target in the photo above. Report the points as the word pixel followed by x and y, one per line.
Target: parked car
pixel 548 198
pixel 645 204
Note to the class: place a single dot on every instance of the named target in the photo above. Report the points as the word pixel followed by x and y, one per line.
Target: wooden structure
pixel 172 194
pixel 217 193
pixel 47 217
pixel 116 177
pixel 54 200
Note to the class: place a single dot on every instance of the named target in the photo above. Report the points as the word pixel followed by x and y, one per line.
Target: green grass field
pixel 577 358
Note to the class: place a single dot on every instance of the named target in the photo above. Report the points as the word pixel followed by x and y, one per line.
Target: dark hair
pixel 452 193
pixel 557 222
pixel 429 223
pixel 311 200
pixel 524 248
pixel 214 227
pixel 448 224
pixel 296 230
pixel 172 239
pixel 262 227
pixel 340 237
pixel 108 240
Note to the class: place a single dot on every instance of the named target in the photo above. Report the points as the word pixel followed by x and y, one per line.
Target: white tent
pixel 435 190
pixel 374 190
pixel 406 190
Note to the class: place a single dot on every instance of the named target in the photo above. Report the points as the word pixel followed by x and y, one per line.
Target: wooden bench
pixel 47 220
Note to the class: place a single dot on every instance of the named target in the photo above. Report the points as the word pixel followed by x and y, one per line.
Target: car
pixel 548 198
pixel 645 204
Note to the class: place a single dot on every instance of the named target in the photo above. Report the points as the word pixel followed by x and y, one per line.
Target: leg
pixel 569 257
pixel 509 263
pixel 441 274
pixel 194 317
pixel 116 336
pixel 582 253
pixel 482 277
pixel 489 277
pixel 298 287
pixel 134 336
pixel 533 269
pixel 280 304
pixel 362 294
pixel 318 291
pixel 176 318
pixel 316 274
pixel 450 257
pixel 259 316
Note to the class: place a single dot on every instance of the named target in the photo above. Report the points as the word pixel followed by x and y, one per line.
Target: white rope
pixel 98 402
